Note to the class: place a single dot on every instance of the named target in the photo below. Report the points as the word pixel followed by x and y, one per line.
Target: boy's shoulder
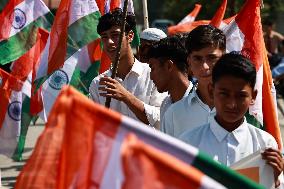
pixel 264 138
pixel 194 136
pixel 183 103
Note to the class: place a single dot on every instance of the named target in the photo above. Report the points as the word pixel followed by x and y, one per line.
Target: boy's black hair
pixel 236 65
pixel 115 18
pixel 171 48
pixel 205 36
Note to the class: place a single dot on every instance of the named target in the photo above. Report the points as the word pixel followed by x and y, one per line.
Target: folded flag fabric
pixel 10 112
pixel 96 135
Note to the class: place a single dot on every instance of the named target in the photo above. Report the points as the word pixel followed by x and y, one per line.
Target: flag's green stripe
pixel 136 40
pixel 253 121
pixel 19 44
pixel 222 174
pixel 81 81
pixel 82 32
pixel 39 82
pixel 3 4
pixel 25 122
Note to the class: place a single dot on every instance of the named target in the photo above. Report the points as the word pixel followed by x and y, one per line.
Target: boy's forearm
pixel 137 107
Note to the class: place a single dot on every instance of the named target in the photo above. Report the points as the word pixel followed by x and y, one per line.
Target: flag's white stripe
pixel 50 94
pixel 107 6
pixel 175 147
pixel 81 8
pixel 84 61
pixel 234 37
pixel 10 130
pixel 208 183
pixel 27 86
pixel 256 109
pixel 186 19
pixel 130 7
pixel 27 12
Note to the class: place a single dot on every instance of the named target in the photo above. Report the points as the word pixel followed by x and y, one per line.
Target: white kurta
pixel 228 147
pixel 138 82
pixel 188 113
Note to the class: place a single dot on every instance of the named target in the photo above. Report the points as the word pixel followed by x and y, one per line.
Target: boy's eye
pixel 212 58
pixel 222 93
pixel 243 95
pixel 197 59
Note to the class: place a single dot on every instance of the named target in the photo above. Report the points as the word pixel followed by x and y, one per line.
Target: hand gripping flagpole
pixel 117 55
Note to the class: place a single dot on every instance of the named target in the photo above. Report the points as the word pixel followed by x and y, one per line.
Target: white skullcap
pixel 152 34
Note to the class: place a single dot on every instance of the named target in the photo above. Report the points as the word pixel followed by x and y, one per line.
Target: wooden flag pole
pixel 145 14
pixel 117 55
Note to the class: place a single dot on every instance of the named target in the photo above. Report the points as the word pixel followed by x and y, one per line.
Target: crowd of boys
pixel 208 112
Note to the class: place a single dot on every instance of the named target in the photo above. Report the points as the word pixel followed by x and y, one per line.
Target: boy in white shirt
pixel 205 45
pixel 228 137
pixel 169 70
pixel 133 93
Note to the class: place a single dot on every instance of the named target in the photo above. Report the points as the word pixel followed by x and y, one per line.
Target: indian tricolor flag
pixel 85 145
pixel 192 15
pixel 216 21
pixel 20 20
pixel 244 34
pixel 190 18
pixel 75 26
pixel 10 112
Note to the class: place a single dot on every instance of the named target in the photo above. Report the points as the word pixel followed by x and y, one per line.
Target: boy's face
pixel 145 45
pixel 160 74
pixel 232 98
pixel 201 63
pixel 110 40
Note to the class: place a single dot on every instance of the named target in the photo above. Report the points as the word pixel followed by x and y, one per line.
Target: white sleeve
pixel 152 110
pixel 94 91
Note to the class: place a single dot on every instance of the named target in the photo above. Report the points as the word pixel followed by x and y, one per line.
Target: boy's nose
pixel 205 66
pixel 231 104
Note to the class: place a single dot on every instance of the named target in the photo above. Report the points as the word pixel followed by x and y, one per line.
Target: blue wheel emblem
pixel 20 19
pixel 14 110
pixel 58 79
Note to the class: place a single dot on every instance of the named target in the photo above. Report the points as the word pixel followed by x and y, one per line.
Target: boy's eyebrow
pixel 115 31
pixel 222 89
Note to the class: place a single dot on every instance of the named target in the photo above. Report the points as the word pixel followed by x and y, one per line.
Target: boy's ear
pixel 189 66
pixel 211 90
pixel 130 36
pixel 254 94
pixel 170 65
